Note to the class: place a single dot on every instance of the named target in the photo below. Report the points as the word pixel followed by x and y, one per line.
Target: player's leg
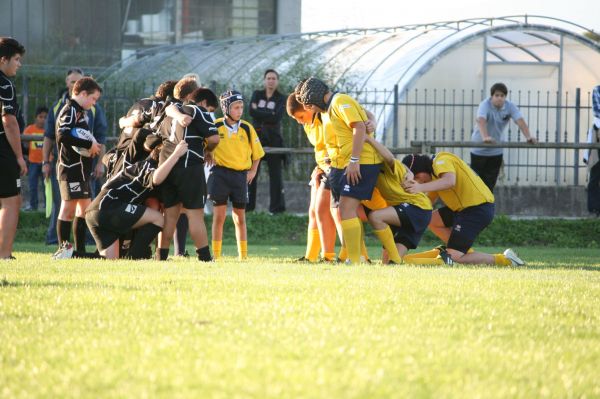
pixel 313 241
pixel 381 220
pixel 219 215
pixel 79 224
pixel 171 216
pixel 199 233
pixel 238 215
pixel 325 222
pixel 9 219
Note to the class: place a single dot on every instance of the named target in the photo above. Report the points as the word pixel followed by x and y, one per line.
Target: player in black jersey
pixel 120 208
pixel 185 188
pixel 12 163
pixel 74 169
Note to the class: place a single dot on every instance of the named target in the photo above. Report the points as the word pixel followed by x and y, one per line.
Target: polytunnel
pixel 422 81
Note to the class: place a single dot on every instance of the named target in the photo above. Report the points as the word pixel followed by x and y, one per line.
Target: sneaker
pixel 64 252
pixel 445 256
pixel 302 259
pixel 514 259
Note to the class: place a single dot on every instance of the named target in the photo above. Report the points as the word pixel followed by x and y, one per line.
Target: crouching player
pixel 402 223
pixel 469 209
pixel 119 206
pixel 236 160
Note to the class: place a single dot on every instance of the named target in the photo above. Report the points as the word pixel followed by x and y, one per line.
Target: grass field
pixel 269 328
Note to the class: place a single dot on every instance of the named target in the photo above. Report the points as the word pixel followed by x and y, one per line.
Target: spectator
pixel 12 162
pixel 266 108
pixel 592 157
pixel 98 127
pixel 493 116
pixel 35 157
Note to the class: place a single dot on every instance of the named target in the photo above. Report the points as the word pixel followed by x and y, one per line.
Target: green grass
pixel 269 328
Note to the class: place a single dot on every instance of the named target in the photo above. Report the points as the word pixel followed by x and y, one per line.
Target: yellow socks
pixel 424 261
pixel 387 239
pixel 501 260
pixel 242 250
pixel 351 230
pixel 363 248
pixel 216 247
pixel 343 253
pixel 432 253
pixel 329 256
pixel 313 245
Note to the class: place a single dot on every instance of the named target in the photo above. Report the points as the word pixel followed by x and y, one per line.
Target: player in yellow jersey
pixel 321 223
pixel 469 207
pixel 401 224
pixel 235 161
pixel 355 164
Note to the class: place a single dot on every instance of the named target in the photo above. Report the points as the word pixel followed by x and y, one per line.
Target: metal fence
pixel 438 115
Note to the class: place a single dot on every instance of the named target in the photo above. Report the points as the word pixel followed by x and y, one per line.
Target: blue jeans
pixel 34 177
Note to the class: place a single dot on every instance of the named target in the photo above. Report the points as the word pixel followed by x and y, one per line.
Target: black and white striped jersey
pixel 8 106
pixel 131 185
pixel 195 134
pixel 72 166
pixel 149 110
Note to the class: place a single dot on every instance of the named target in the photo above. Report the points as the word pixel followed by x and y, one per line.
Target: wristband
pixel 354 160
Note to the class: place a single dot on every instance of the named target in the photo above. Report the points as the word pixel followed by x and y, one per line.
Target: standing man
pixel 98 127
pixel 35 157
pixel 493 116
pixel 266 108
pixel 12 163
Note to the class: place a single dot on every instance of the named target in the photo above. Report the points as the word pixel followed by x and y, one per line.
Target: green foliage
pixel 269 328
pixel 291 229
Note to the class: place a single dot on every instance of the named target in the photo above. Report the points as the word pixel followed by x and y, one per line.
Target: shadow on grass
pixel 4 283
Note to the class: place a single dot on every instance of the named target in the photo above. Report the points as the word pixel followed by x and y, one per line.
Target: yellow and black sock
pixel 216 247
pixel 424 261
pixel 387 239
pixel 313 245
pixel 501 260
pixel 432 253
pixel 243 250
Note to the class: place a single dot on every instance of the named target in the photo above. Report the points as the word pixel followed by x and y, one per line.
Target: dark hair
pixel 75 70
pixel 292 105
pixel 184 88
pixel 269 71
pixel 41 109
pixel 418 163
pixel 501 87
pixel 165 89
pixel 87 84
pixel 9 47
pixel 201 94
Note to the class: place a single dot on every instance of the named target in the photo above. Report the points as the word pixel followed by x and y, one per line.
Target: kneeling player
pixel 119 206
pixel 469 209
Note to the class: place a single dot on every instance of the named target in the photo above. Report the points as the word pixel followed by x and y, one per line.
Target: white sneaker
pixel 64 252
pixel 514 259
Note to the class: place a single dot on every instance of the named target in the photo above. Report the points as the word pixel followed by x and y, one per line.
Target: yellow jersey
pixel 314 133
pixel 469 189
pixel 238 146
pixel 342 111
pixel 376 202
pixel 389 184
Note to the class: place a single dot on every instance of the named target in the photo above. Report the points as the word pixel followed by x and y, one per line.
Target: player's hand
pixel 22 166
pixel 532 140
pixel 250 176
pixel 95 149
pixel 181 149
pixel 99 170
pixel 370 126
pixel 184 120
pixel 353 173
pixel 412 187
pixel 488 139
pixel 209 160
pixel 46 170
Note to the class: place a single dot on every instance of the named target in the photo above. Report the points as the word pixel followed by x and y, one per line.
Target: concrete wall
pixel 288 16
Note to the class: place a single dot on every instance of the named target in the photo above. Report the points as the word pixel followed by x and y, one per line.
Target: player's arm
pixel 252 172
pixel 485 136
pixel 63 135
pixel 370 123
pixel 446 181
pixel 359 131
pixel 387 155
pixel 163 170
pixel 135 120
pixel 174 112
pixel 13 136
pixel 48 145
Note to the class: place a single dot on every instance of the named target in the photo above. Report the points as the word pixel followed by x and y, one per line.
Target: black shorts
pixel 361 191
pixel 227 184
pixel 74 190
pixel 466 224
pixel 413 223
pixel 186 186
pixel 107 225
pixel 10 178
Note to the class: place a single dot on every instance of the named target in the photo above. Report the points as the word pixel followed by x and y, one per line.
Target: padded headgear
pixel 227 99
pixel 311 92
